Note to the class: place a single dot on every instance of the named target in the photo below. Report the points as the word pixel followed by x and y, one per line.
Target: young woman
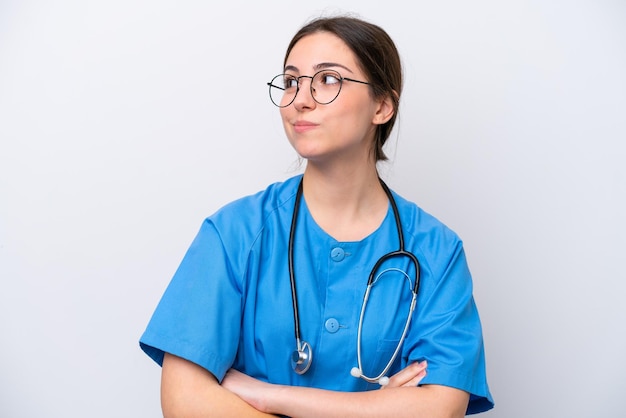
pixel 298 300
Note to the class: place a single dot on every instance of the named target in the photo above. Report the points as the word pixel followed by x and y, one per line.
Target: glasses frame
pixel 312 90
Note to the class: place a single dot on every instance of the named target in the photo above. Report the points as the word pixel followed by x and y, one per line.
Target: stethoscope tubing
pixel 292 278
pixel 407 323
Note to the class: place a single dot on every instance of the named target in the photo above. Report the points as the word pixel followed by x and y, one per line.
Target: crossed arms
pixel 188 390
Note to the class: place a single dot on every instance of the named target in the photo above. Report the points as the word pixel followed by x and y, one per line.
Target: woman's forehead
pixel 320 50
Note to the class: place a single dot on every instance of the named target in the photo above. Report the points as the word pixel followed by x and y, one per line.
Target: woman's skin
pixel 344 196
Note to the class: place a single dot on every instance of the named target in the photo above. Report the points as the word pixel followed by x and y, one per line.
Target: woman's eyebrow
pixel 324 65
pixel 320 66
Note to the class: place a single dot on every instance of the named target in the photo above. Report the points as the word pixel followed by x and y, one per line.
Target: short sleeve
pixel 198 317
pixel 448 332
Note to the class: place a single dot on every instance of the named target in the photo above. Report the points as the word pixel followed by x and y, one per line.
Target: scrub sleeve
pixel 197 316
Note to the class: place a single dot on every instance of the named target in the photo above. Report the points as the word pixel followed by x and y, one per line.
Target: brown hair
pixel 377 55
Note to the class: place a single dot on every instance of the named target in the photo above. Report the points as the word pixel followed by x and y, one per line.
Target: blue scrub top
pixel 229 303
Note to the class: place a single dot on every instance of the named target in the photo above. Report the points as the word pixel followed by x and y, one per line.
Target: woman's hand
pixel 411 375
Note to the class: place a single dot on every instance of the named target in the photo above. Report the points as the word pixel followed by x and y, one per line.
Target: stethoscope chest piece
pixel 301 358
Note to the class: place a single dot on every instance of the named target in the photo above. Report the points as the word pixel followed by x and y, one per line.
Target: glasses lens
pixel 283 89
pixel 325 86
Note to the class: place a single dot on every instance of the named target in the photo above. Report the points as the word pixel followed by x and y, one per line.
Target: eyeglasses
pixel 325 87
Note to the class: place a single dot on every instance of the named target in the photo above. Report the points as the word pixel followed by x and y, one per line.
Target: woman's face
pixel 343 129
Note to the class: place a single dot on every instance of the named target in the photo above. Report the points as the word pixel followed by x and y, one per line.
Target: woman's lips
pixel 304 126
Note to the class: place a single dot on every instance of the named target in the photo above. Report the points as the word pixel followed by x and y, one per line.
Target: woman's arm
pixel 188 390
pixel 431 401
pixel 399 399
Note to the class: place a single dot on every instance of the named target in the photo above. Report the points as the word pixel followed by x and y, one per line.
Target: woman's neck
pixel 348 203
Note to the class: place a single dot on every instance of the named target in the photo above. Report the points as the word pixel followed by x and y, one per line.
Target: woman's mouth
pixel 303 126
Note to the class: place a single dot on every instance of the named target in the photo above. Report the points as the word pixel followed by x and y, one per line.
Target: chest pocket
pixel 378 360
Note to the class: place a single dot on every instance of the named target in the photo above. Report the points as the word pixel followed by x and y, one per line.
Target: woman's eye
pixel 290 82
pixel 330 79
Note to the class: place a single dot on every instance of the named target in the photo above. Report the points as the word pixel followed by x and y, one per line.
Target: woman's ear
pixel 385 110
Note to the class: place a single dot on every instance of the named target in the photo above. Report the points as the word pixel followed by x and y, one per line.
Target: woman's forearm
pixel 400 397
pixel 188 390
pixel 430 401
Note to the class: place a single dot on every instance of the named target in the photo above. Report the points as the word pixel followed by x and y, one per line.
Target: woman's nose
pixel 304 99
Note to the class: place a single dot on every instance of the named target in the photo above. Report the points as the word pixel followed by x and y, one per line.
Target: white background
pixel 124 123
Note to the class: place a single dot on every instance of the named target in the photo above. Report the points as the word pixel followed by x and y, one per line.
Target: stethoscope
pixel 302 357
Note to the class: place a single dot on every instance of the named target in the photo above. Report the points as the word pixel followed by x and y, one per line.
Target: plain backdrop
pixel 124 123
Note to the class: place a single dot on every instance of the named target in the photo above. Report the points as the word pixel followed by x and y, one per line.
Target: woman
pixel 296 257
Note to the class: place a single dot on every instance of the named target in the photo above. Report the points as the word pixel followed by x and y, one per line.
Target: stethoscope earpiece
pixel 356 372
pixel 383 381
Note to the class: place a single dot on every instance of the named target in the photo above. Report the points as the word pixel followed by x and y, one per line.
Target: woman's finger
pixel 409 376
pixel 416 380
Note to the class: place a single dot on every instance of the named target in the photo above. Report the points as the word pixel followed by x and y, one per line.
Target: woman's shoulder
pixel 419 219
pixel 426 232
pixel 434 243
pixel 251 212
